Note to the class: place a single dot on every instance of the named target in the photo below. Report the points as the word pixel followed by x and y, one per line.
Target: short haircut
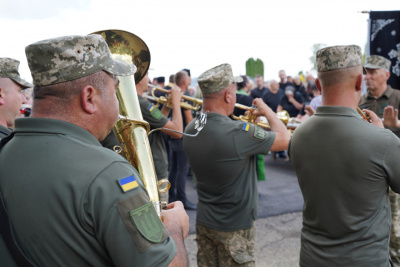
pixel 66 91
pixel 180 77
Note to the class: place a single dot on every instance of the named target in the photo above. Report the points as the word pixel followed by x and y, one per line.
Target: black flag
pixel 385 41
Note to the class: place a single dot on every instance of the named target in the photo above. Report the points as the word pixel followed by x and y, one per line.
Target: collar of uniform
pixel 213 115
pixel 336 111
pixel 388 92
pixel 50 126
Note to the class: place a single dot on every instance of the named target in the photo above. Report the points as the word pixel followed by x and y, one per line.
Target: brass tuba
pixel 131 130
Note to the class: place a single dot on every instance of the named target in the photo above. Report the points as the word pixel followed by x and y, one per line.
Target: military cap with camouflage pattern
pixel 378 62
pixel 9 69
pixel 217 79
pixel 68 58
pixel 339 57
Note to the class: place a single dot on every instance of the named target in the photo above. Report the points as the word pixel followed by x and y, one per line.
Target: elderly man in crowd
pixel 223 158
pixel 84 204
pixel 11 96
pixel 346 214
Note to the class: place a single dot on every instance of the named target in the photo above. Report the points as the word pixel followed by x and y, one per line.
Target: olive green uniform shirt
pixel 4 131
pixel 156 119
pixel 391 97
pixel 344 166
pixel 67 202
pixel 223 158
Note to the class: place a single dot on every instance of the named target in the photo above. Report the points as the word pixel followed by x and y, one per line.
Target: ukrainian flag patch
pixel 128 183
pixel 246 127
pixel 155 112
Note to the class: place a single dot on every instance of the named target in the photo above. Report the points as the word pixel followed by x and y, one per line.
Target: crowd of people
pixel 74 191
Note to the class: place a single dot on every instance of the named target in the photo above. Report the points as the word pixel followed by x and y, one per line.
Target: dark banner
pixel 385 41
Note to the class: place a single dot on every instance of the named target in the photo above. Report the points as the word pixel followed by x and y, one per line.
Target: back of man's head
pixel 181 79
pixel 338 64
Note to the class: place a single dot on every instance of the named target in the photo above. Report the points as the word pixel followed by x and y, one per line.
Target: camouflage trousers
pixel 219 248
pixel 394 245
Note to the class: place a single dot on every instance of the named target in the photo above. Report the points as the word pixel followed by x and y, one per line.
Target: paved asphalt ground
pixel 279 223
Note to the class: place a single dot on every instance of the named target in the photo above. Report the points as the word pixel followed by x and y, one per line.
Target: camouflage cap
pixel 217 79
pixel 9 69
pixel 339 57
pixel 378 62
pixel 68 58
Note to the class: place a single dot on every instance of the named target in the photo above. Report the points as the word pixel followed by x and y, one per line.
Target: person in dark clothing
pixel 274 95
pixel 284 82
pixel 260 90
pixel 292 102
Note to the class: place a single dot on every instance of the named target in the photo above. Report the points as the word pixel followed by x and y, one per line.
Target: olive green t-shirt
pixel 75 203
pixel 344 166
pixel 391 97
pixel 223 159
pixel 156 119
pixel 4 131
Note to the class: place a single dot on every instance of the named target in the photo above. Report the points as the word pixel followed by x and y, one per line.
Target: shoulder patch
pixel 155 112
pixel 128 183
pixel 259 133
pixel 246 127
pixel 147 222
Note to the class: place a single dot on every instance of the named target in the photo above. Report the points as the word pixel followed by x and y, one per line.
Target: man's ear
pixel 387 75
pixel 1 96
pixel 318 84
pixel 359 82
pixel 88 99
pixel 228 96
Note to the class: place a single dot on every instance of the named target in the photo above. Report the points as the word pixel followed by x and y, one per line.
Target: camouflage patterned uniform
pixel 223 157
pixel 9 69
pixel 390 97
pixel 74 193
pixel 346 215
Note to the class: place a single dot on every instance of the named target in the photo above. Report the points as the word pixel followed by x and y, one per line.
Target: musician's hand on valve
pixel 390 116
pixel 262 108
pixel 374 119
pixel 176 220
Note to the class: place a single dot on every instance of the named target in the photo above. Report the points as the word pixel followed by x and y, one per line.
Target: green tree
pixel 314 50
pixel 254 67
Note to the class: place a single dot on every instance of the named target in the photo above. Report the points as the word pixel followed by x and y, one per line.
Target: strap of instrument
pixel 6 228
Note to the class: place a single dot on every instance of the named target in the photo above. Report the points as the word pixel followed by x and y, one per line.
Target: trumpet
pixel 250 117
pixel 196 103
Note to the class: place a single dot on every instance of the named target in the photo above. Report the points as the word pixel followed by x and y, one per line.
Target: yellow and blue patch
pixel 128 183
pixel 155 112
pixel 246 127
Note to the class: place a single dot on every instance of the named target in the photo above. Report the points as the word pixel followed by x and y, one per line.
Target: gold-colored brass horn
pixel 131 130
pixel 196 103
pixel 250 117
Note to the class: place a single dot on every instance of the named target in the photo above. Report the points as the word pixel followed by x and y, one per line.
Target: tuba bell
pixel 131 130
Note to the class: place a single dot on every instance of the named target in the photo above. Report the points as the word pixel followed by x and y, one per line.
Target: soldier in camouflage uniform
pixel 223 158
pixel 380 96
pixel 11 96
pixel 346 214
pixel 74 202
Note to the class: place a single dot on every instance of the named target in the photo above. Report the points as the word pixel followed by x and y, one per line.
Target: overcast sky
pixel 196 34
